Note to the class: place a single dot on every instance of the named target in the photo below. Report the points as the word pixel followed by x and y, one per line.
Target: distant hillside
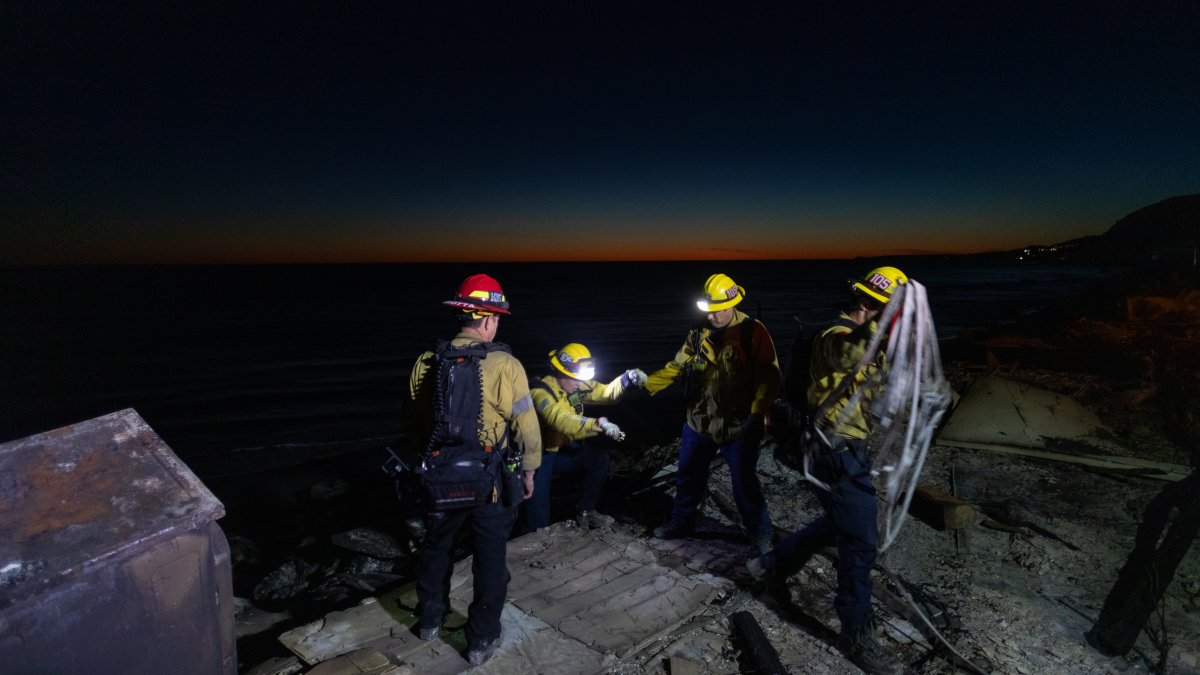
pixel 1166 230
pixel 1174 221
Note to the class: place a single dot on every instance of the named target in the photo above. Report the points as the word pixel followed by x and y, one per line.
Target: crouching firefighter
pixel 470 398
pixel 560 398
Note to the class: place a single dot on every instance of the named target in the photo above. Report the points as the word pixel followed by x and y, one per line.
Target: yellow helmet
pixel 880 283
pixel 720 293
pixel 574 361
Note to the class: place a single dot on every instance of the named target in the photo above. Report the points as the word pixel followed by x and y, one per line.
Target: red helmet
pixel 480 293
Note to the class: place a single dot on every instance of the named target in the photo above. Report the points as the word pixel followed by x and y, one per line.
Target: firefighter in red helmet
pixel 469 400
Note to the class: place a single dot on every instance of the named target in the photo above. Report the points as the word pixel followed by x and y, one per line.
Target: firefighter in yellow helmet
pixel 731 376
pixel 559 399
pixel 469 402
pixel 844 465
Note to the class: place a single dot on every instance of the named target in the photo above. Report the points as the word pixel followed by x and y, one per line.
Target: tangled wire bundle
pixel 910 397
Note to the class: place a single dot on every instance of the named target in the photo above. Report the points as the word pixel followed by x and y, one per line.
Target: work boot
pixel 757 569
pixel 674 529
pixel 477 655
pixel 766 579
pixel 861 648
pixel 428 634
pixel 593 520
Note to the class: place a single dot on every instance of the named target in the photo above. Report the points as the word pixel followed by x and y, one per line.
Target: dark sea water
pixel 247 368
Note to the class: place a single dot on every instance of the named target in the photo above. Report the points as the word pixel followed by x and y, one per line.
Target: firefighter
pixel 843 464
pixel 505 425
pixel 731 377
pixel 559 399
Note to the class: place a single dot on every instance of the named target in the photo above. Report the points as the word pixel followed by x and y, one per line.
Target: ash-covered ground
pixel 1013 592
pixel 1009 602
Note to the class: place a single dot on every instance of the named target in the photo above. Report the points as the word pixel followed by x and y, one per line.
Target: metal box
pixel 111 560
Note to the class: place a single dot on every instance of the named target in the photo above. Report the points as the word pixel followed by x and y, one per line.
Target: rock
pixel 288 581
pixel 369 542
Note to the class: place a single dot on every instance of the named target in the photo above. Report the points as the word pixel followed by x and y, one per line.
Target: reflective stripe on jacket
pixel 506 403
pixel 836 352
pixel 563 422
pixel 730 380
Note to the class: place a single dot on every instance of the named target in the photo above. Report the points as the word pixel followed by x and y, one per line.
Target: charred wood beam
pixel 940 510
pixel 1169 525
pixel 1122 466
pixel 760 650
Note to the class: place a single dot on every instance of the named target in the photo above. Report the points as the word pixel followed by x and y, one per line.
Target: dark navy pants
pixel 589 459
pixel 696 453
pixel 849 522
pixel 490 525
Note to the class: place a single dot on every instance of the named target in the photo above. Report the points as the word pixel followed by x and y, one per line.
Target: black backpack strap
pixel 695 337
pixel 497 347
pixel 474 350
pixel 539 384
pixel 841 321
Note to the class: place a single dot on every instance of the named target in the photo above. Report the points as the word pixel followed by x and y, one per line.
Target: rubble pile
pixel 1016 585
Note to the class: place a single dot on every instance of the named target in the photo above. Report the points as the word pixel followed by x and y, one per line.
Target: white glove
pixel 633 378
pixel 611 430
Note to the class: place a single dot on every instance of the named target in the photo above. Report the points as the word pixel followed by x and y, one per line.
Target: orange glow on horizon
pixel 513 254
pixel 348 254
pixel 281 241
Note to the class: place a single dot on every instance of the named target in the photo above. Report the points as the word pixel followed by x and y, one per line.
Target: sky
pixel 484 131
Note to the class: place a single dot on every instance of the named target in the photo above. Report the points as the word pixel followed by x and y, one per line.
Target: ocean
pixel 244 369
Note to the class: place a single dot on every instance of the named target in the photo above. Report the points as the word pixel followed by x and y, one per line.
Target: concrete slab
pixel 1008 417
pixel 999 411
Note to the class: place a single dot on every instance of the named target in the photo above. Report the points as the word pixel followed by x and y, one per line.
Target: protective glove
pixel 611 430
pixel 633 378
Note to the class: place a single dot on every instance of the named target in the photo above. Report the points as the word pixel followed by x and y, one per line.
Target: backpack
pixel 790 418
pixel 457 471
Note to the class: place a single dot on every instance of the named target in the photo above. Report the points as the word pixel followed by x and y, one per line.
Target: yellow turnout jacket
pixel 561 414
pixel 506 402
pixel 730 376
pixel 836 351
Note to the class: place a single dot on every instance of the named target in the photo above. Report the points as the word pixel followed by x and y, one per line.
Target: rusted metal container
pixel 111 560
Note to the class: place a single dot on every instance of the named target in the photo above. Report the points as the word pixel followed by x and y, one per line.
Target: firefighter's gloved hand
pixel 633 378
pixel 611 430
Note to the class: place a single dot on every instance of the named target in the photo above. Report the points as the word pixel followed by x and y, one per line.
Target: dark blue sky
pixel 502 131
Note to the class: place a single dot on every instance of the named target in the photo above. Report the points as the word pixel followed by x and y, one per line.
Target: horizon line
pixel 244 263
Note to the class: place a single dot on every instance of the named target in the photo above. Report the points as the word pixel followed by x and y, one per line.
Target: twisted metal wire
pixel 909 398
